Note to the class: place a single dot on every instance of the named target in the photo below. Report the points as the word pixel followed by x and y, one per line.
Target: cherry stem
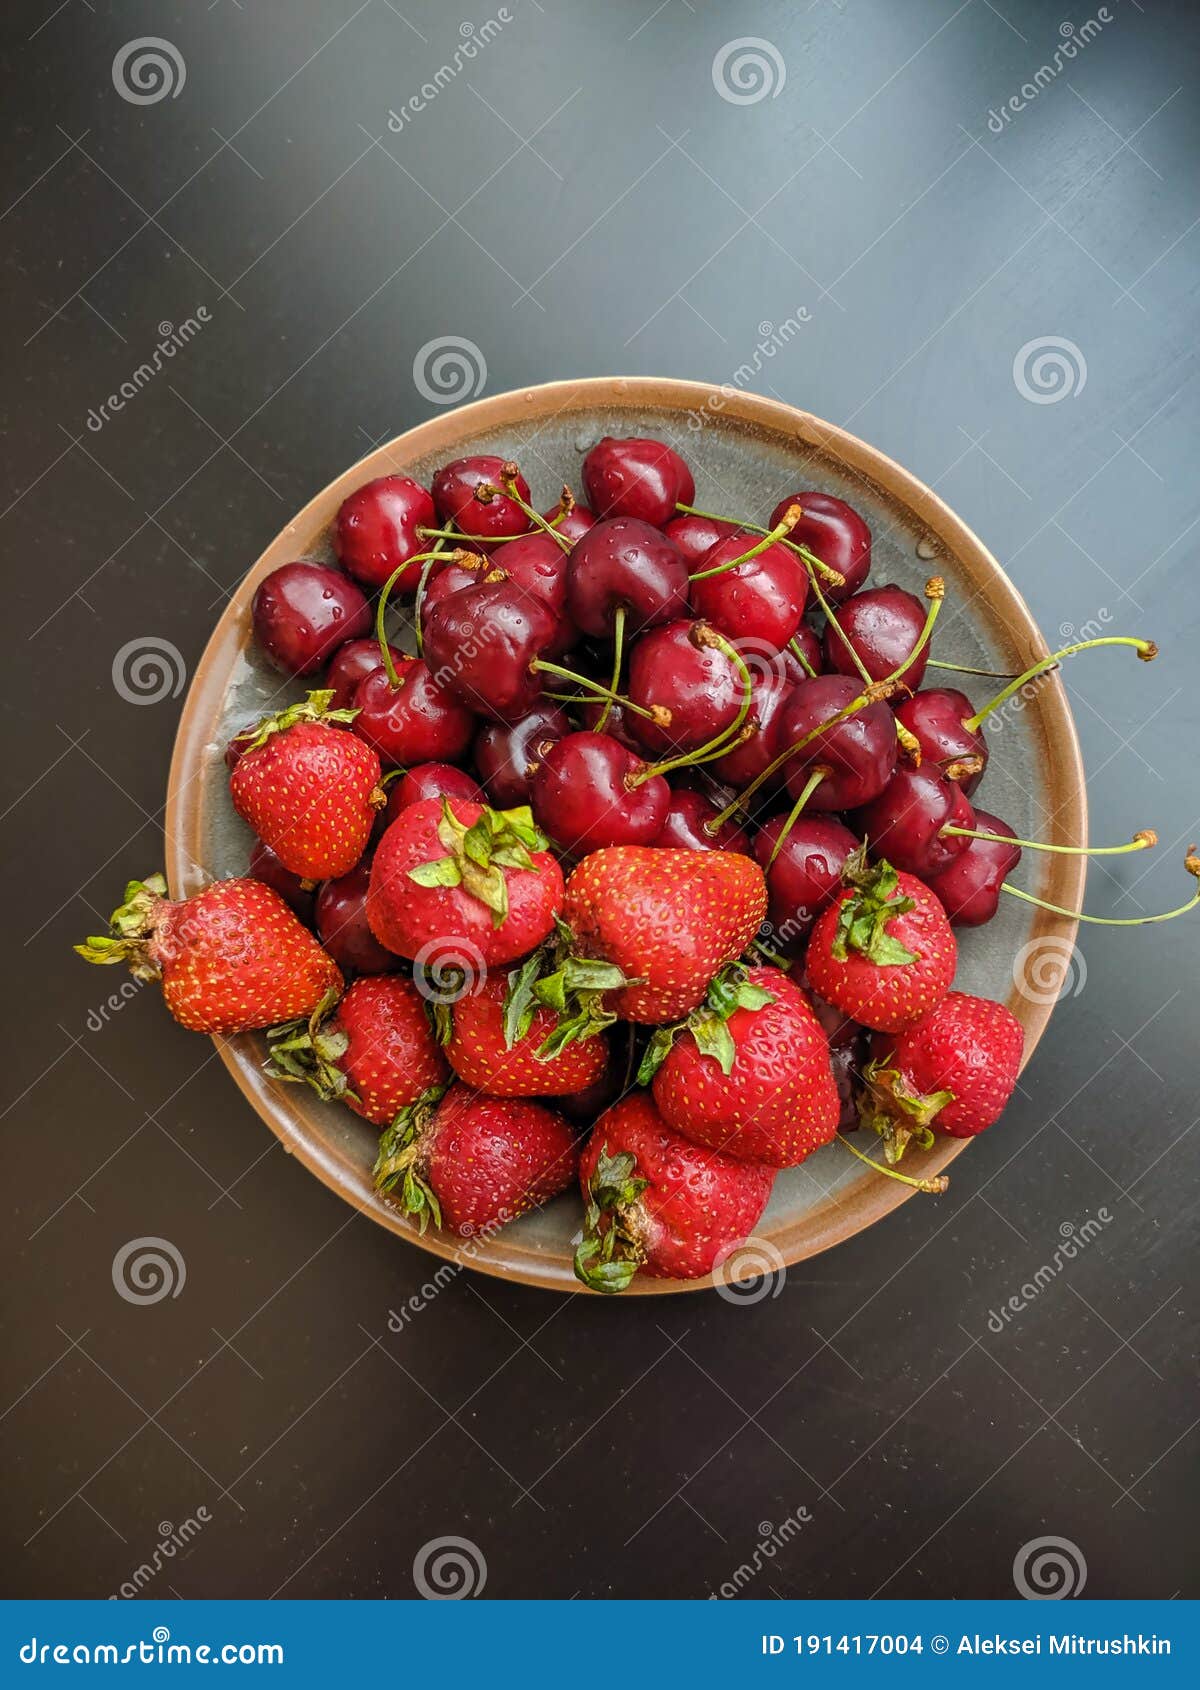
pixel 1191 862
pixel 843 636
pixel 790 518
pixel 934 1186
pixel 966 669
pixel 810 786
pixel 419 597
pixel 427 558
pixel 1146 650
pixel 703 635
pixel 811 561
pixel 1141 841
pixel 618 653
pixel 656 714
pixel 509 475
pixel 935 592
pixel 798 654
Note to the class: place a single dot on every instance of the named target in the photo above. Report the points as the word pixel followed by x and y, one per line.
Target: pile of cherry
pixel 631 848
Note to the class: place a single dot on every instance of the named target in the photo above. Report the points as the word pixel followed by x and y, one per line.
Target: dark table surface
pixel 580 197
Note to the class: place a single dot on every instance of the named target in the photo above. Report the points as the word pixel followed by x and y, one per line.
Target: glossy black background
pixel 587 1447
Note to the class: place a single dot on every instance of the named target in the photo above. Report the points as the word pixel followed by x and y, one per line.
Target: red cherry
pixel 481 644
pixel 810 645
pixel 883 625
pixel 575 524
pixel 470 493
pixel 446 579
pixel 350 663
pixel 616 723
pixel 264 865
pixel 969 888
pixel 303 612
pixel 835 533
pixel 582 797
pixel 937 719
pixel 904 823
pixel 696 535
pixel 416 721
pixel 375 530
pixel 684 828
pixel 430 780
pixel 242 741
pixel 342 924
pixel 636 477
pixel 697 683
pixel 537 564
pixel 507 754
pixel 625 564
pixel 762 599
pixel 806 875
pixel 745 762
pixel 859 752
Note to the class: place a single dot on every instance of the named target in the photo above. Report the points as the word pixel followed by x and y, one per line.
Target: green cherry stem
pixel 1146 649
pixel 508 474
pixel 618 653
pixel 790 518
pixel 797 653
pixel 704 635
pixel 811 561
pixel 966 669
pixel 419 597
pixel 843 636
pixel 1191 863
pixel 934 1186
pixel 657 713
pixel 810 786
pixel 1141 841
pixel 427 558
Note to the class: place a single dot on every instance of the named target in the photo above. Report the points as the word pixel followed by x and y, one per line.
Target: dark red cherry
pixel 481 643
pixel 859 752
pixel 507 754
pixel 883 625
pixel 447 578
pixel 342 924
pixel 937 719
pixel 806 876
pixel 264 865
pixel 575 524
pixel 697 683
pixel 303 611
pixel 684 828
pixel 537 564
pixel 418 721
pixel 833 532
pixel 583 1107
pixel 350 663
pixel 761 600
pixel 243 740
pixel 810 645
pixel 695 535
pixel 636 477
pixel 748 760
pixel 375 530
pixel 625 564
pixel 430 780
pixel 582 796
pixel 969 889
pixel 616 723
pixel 470 493
pixel 837 1027
pixel 904 823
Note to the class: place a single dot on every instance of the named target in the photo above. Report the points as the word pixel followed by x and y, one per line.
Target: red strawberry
pixel 230 957
pixel 669 919
pixel 883 952
pixel 953 1070
pixel 375 1051
pixel 659 1204
pixel 473 1162
pixel 450 875
pixel 309 789
pixel 502 1042
pixel 750 1072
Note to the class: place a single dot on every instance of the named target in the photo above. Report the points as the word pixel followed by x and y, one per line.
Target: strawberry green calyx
pixel 607 1260
pixel 898 1115
pixel 708 1025
pixel 573 987
pixel 863 917
pixel 477 856
pixel 131 927
pixel 397 1167
pixel 933 1187
pixel 308 1052
pixel 315 708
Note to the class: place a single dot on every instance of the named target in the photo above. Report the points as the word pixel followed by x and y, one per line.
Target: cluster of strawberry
pixel 496 1004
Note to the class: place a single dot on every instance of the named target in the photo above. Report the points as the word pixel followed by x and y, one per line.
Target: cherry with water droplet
pixel 341 920
pixel 833 531
pixel 685 830
pixel 938 719
pixel 804 873
pixel 905 822
pixel 884 625
pixel 857 750
pixel 761 599
pixel 298 894
pixel 507 754
pixel 770 688
pixel 470 493
pixel 625 565
pixel 350 663
pixel 636 477
pixel 674 668
pixel 413 718
pixel 969 887
pixel 482 643
pixel 430 780
pixel 303 612
pixel 697 534
pixel 537 564
pixel 375 530
pixel 584 797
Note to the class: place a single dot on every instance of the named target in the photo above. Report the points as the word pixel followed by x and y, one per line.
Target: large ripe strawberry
pixel 459 877
pixel 230 957
pixel 749 1073
pixel 309 789
pixel 500 1040
pixel 883 952
pixel 471 1163
pixel 952 1071
pixel 657 1203
pixel 375 1050
pixel 670 920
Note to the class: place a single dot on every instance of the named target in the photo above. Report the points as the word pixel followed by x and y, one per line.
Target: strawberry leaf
pixel 606 1260
pixel 520 1005
pixel 443 871
pixel 863 917
pixel 714 1039
pixel 657 1051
